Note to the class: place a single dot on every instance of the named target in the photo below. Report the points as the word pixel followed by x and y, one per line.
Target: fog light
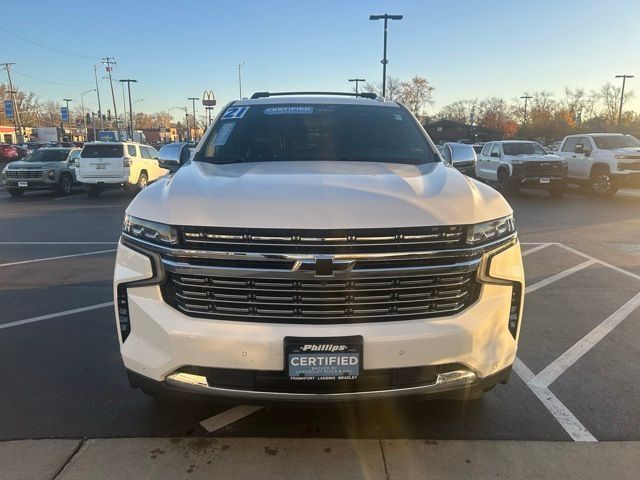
pixel 51 174
pixel 123 312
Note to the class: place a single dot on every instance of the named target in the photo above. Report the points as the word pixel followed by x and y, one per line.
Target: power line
pixel 50 82
pixel 12 31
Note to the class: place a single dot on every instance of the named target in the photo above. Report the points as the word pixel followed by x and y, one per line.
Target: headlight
pixel 492 230
pixel 150 231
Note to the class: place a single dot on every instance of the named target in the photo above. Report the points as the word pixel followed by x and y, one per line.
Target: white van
pixel 130 165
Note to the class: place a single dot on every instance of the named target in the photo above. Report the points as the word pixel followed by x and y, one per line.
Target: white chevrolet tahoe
pixel 103 165
pixel 603 161
pixel 515 164
pixel 316 248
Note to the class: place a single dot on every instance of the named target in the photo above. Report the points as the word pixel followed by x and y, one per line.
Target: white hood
pixel 320 195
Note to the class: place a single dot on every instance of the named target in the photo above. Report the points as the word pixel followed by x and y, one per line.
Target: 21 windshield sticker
pixel 234 112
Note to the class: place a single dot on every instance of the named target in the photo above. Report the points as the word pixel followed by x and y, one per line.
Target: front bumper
pixel 32 184
pixel 161 340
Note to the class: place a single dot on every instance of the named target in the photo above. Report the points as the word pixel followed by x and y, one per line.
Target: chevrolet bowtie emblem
pixel 326 266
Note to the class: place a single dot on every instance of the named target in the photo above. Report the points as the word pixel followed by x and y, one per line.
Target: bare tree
pixel 393 88
pixel 416 94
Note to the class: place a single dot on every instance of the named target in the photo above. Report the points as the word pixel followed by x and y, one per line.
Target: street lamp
pixel 84 116
pixel 129 81
pixel 195 125
pixel 526 98
pixel 357 80
pixel 385 17
pixel 67 100
pixel 240 78
pixel 624 80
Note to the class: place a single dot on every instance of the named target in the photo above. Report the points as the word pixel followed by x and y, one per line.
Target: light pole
pixel 95 73
pixel 124 105
pixel 240 78
pixel 108 61
pixel 129 82
pixel 195 125
pixel 68 116
pixel 385 17
pixel 624 80
pixel 526 98
pixel 84 115
pixel 357 80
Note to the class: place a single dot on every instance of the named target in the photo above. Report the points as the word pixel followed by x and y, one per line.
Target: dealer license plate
pixel 322 359
pixel 23 184
pixel 545 180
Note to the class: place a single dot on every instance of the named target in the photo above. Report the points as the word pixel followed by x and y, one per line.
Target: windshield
pixel 44 155
pixel 523 148
pixel 102 151
pixel 261 133
pixel 611 142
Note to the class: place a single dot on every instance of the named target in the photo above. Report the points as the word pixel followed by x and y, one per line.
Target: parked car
pixel 515 164
pixel 8 153
pixel 555 146
pixel 462 156
pixel 604 162
pixel 104 165
pixel 477 147
pixel 44 169
pixel 267 265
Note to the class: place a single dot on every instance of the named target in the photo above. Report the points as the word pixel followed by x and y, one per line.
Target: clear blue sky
pixel 466 49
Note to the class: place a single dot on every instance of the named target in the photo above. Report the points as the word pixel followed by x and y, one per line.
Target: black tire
pixel 505 185
pixel 602 183
pixel 65 184
pixel 557 190
pixel 15 192
pixel 94 191
pixel 143 181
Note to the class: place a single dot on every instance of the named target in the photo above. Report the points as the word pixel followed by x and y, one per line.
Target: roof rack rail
pixel 370 95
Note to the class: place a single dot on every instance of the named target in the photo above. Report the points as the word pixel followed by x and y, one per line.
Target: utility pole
pixel 95 73
pixel 108 61
pixel 17 125
pixel 526 98
pixel 124 105
pixel 385 17
pixel 240 78
pixel 357 80
pixel 84 115
pixel 624 80
pixel 195 124
pixel 129 82
pixel 67 100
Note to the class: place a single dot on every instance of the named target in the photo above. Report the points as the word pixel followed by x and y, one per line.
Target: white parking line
pixel 547 376
pixel 558 276
pixel 55 315
pixel 228 417
pixel 22 262
pixel 71 196
pixel 536 249
pixel 604 264
pixel 58 243
pixel 560 412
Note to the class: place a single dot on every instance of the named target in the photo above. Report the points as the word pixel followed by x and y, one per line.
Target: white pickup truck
pixel 603 161
pixel 317 248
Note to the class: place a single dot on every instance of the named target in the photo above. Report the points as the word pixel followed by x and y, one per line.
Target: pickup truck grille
pixel 379 240
pixel 552 168
pixel 320 301
pixel 24 173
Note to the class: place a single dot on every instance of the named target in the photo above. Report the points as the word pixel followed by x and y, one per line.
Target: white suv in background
pixel 130 165
pixel 604 161
pixel 515 164
pixel 316 248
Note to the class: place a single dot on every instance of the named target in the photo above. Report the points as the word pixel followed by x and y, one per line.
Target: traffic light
pixel 109 115
pixel 88 117
pixel 104 118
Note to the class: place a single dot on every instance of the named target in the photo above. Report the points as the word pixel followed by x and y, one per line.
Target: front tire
pixel 505 184
pixel 65 184
pixel 15 192
pixel 602 183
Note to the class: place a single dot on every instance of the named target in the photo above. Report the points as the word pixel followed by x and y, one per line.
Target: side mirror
pixel 579 148
pixel 463 157
pixel 170 156
pixel 495 154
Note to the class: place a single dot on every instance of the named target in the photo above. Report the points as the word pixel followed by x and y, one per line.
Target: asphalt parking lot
pixel 577 376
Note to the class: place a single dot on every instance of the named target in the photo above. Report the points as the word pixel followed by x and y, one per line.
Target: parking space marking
pixel 560 412
pixel 58 243
pixel 558 276
pixel 71 196
pixel 536 248
pixel 55 315
pixel 228 417
pixel 547 376
pixel 22 262
pixel 604 264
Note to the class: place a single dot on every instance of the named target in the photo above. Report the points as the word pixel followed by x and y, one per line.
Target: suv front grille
pixel 363 299
pixel 369 240
pixel 552 167
pixel 24 173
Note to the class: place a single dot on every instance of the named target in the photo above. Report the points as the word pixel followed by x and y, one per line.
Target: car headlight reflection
pixel 492 230
pixel 150 231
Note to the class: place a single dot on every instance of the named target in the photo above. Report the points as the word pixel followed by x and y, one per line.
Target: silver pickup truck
pixel 44 169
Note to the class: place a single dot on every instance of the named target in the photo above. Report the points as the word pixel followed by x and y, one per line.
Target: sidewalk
pixel 270 458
